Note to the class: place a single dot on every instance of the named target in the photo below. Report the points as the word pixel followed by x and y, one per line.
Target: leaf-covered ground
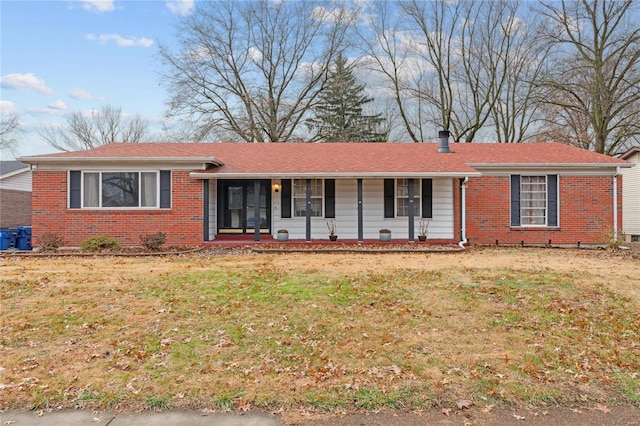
pixel 321 332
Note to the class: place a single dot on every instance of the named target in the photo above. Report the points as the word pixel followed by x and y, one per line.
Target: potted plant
pixel 331 225
pixel 423 229
pixel 282 235
pixel 385 234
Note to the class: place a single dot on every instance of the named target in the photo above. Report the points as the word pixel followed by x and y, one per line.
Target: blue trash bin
pixel 24 238
pixel 8 238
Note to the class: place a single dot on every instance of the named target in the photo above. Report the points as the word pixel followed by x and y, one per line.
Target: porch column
pixel 308 210
pixel 205 209
pixel 256 210
pixel 411 210
pixel 360 213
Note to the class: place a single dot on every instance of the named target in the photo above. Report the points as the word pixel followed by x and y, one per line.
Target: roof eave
pixel 173 160
pixel 340 175
pixel 506 166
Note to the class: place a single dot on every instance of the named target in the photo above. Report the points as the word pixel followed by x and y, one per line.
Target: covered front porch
pixel 243 210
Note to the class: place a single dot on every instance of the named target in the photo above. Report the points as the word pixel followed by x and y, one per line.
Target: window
pixel 534 200
pixel 396 198
pixel 402 198
pixel 120 189
pixel 300 197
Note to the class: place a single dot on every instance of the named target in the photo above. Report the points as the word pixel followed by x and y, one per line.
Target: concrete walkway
pixel 167 418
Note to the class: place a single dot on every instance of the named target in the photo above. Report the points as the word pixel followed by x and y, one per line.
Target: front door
pixel 236 211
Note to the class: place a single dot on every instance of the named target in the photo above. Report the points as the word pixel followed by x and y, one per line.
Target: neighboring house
pixel 196 192
pixel 631 196
pixel 15 194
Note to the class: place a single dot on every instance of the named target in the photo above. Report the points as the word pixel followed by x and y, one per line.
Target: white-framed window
pixel 533 200
pixel 300 197
pixel 120 189
pixel 402 197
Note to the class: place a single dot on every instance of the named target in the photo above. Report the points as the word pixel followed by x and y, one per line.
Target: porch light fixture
pixel 276 187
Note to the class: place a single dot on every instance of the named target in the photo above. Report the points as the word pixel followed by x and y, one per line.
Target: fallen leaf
pixel 603 408
pixel 465 403
pixel 446 411
pixel 517 416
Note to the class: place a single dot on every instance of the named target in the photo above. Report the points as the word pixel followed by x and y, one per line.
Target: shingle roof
pixel 342 158
pixel 629 153
pixel 11 166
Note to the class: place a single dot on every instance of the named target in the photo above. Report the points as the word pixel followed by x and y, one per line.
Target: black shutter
pixel 427 198
pixel 552 200
pixel 165 189
pixel 75 189
pixel 285 198
pixel 515 200
pixel 330 198
pixel 389 190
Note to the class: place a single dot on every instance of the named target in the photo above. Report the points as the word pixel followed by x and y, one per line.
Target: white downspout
pixel 463 212
pixel 615 204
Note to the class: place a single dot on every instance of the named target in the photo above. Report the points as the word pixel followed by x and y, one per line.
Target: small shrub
pixel 612 240
pixel 50 241
pixel 153 242
pixel 100 242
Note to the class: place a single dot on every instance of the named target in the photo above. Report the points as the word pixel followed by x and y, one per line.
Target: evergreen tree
pixel 339 113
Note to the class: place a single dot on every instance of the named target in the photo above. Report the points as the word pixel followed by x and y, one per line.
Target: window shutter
pixel 330 198
pixel 388 197
pixel 427 198
pixel 515 200
pixel 75 189
pixel 165 189
pixel 285 198
pixel 552 200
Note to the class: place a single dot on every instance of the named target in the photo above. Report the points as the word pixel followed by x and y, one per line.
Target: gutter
pixel 336 175
pixel 463 212
pixel 615 204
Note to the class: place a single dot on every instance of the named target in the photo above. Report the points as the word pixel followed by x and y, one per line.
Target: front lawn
pixel 321 331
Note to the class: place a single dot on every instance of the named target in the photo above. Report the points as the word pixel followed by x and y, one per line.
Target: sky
pixel 61 56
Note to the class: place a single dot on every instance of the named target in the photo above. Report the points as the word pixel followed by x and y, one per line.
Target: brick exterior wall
pixel 15 208
pixel 586 212
pixel 182 223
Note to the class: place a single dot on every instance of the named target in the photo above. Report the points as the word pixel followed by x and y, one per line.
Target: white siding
pixel 17 182
pixel 441 226
pixel 631 197
pixel 213 208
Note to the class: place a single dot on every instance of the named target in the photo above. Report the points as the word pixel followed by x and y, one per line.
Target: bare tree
pixel 516 114
pixel 479 70
pixel 84 131
pixel 252 70
pixel 594 93
pixel 9 131
pixel 387 52
pixel 461 65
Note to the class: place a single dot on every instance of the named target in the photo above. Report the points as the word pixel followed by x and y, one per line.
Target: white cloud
pixel 254 54
pixel 24 82
pixel 98 6
pixel 180 7
pixel 81 95
pixel 8 108
pixel 57 105
pixel 46 111
pixel 121 41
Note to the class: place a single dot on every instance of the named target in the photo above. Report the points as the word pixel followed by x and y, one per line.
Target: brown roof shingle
pixel 344 158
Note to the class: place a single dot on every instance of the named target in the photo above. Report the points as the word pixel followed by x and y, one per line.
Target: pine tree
pixel 339 113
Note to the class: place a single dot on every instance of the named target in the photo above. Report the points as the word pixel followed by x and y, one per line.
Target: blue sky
pixel 61 56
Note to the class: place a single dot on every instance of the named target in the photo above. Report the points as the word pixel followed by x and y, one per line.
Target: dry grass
pixel 320 332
